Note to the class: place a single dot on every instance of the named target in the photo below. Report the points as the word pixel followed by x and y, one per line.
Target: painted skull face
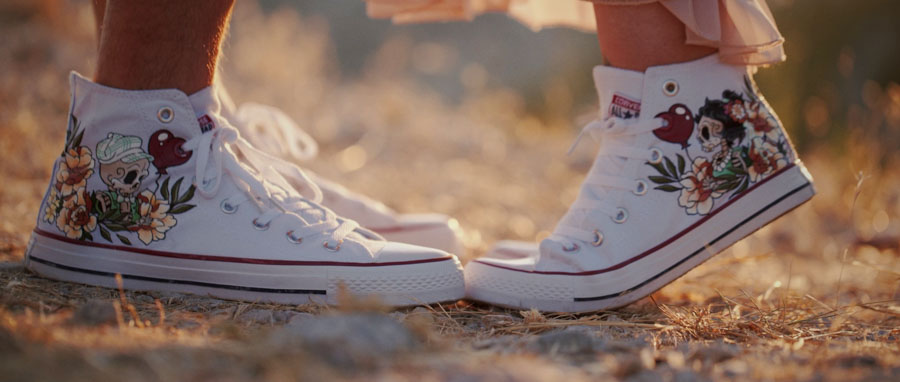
pixel 125 178
pixel 709 132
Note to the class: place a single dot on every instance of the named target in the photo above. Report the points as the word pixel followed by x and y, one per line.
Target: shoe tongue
pixel 619 91
pixel 206 103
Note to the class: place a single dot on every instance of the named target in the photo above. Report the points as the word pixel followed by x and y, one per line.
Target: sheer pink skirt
pixel 744 31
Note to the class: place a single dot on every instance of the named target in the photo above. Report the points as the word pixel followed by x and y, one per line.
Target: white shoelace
pixel 265 183
pixel 615 150
pixel 270 128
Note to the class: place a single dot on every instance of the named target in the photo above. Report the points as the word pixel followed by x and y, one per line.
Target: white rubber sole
pixel 402 284
pixel 589 291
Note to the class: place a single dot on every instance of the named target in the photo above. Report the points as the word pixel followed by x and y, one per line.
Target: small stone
pixel 299 318
pixel 144 299
pixel 347 340
pixel 257 316
pixel 93 313
pixel 572 343
pixel 689 376
pixel 187 325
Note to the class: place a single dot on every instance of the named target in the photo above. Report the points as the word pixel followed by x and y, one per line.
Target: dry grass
pixel 813 296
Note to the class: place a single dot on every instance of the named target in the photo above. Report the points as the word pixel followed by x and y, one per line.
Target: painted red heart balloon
pixel 678 125
pixel 167 151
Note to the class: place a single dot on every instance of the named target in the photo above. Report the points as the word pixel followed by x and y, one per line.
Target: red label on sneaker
pixel 206 123
pixel 623 107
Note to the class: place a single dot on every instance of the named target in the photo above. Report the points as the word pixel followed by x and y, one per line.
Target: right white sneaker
pixel 691 160
pixel 273 131
pixel 144 191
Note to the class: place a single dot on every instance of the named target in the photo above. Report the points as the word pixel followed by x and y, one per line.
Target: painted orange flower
pixel 154 219
pixel 75 217
pixel 765 157
pixel 74 171
pixel 698 188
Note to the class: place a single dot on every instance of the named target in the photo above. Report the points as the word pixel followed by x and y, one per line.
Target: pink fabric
pixel 744 31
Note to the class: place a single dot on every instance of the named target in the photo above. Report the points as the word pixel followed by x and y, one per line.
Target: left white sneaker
pixel 270 129
pixel 691 160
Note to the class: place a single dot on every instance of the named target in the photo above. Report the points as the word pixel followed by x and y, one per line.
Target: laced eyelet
pixel 573 248
pixel 328 246
pixel 640 188
pixel 292 239
pixel 670 88
pixel 227 208
pixel 598 238
pixel 260 227
pixel 165 114
pixel 656 155
pixel 621 216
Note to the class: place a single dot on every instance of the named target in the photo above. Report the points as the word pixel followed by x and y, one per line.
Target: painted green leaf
pixel 123 239
pixel 671 167
pixel 181 208
pixel 105 234
pixel 188 195
pixel 681 164
pixel 164 189
pixel 661 169
pixel 667 188
pixel 174 193
pixel 660 179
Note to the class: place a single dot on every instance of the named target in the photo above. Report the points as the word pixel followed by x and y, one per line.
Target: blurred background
pixel 473 119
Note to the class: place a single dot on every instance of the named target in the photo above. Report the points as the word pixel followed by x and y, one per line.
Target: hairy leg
pixel 160 44
pixel 635 37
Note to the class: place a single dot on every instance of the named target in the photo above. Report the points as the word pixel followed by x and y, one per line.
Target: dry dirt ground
pixel 812 297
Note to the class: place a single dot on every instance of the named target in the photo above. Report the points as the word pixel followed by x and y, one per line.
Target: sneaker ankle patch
pixel 128 208
pixel 206 123
pixel 741 143
pixel 624 107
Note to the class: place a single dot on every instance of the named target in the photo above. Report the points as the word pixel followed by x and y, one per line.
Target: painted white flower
pixel 698 188
pixel 154 220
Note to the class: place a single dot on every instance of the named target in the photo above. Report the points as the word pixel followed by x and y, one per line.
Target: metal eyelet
pixel 656 155
pixel 670 88
pixel 165 114
pixel 640 188
pixel 292 239
pixel 621 216
pixel 260 227
pixel 336 248
pixel 573 248
pixel 228 208
pixel 598 238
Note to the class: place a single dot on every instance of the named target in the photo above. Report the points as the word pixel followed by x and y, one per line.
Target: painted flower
pixel 765 157
pixel 53 205
pixel 74 171
pixel 75 217
pixel 736 110
pixel 698 188
pixel 762 123
pixel 154 219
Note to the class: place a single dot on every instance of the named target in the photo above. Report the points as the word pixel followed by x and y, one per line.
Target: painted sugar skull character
pixel 718 132
pixel 123 166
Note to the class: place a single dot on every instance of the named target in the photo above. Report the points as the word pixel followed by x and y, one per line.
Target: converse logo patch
pixel 624 107
pixel 206 123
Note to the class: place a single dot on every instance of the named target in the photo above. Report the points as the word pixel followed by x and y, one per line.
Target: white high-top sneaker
pixel 270 129
pixel 691 160
pixel 145 190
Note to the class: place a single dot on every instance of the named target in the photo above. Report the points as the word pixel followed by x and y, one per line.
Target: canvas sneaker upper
pixel 140 170
pixel 675 144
